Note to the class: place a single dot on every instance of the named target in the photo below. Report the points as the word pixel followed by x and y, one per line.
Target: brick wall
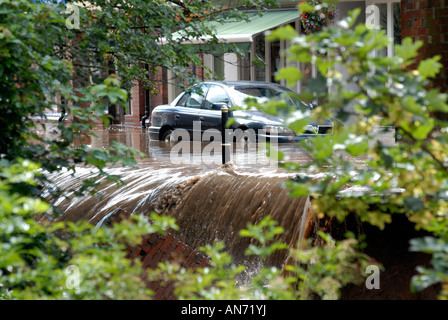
pixel 160 96
pixel 138 105
pixel 156 248
pixel 427 20
pixel 134 116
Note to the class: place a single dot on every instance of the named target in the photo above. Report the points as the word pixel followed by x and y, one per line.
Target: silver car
pixel 202 103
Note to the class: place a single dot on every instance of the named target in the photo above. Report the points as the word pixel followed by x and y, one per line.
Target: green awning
pixel 243 32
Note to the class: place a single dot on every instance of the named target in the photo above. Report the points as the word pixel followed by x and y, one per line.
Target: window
pixel 193 99
pixel 181 102
pixel 128 109
pixel 244 67
pixel 216 94
pixel 240 94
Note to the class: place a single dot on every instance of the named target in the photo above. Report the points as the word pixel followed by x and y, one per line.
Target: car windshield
pixel 261 94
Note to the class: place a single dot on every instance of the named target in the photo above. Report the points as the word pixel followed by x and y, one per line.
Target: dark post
pixel 61 118
pixel 147 113
pixel 224 140
pixel 63 104
pixel 145 117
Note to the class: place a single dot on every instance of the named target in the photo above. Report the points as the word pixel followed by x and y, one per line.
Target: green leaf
pixel 298 126
pixel 290 74
pixel 324 64
pixel 428 244
pixel 437 101
pixel 283 33
pixel 421 282
pixel 113 82
pixel 297 190
pixel 408 49
pixel 429 68
pixel 345 41
pixel 378 219
pixel 353 16
pixel 317 84
pixel 357 145
pixel 420 130
pixel 305 7
pixel 323 147
pixel 411 105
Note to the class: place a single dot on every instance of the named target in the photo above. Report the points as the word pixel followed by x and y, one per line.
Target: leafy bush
pixel 312 271
pixel 64 260
pixel 388 94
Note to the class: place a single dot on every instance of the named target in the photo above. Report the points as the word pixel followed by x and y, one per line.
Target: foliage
pixel 322 271
pixel 393 95
pixel 264 233
pixel 438 247
pixel 64 260
pixel 313 272
pixel 36 68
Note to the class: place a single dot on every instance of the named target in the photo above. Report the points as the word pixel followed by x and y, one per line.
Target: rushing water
pixel 209 201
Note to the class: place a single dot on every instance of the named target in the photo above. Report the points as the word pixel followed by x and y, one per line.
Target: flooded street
pixel 161 170
pixel 196 156
pixel 209 201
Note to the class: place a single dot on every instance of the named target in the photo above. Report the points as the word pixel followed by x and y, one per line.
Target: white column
pixel 390 30
pixel 209 66
pixel 252 58
pixel 230 66
pixel 267 59
pixel 171 86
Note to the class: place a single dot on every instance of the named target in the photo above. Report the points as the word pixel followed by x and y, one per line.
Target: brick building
pixel 425 20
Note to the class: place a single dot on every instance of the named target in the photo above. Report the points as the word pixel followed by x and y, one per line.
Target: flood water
pixel 210 201
pixel 195 155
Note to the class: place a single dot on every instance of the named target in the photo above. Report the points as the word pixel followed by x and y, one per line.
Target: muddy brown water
pixel 210 201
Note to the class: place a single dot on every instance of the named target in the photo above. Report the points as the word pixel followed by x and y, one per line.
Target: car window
pixel 264 93
pixel 240 94
pixel 183 99
pixel 216 94
pixel 193 98
pixel 257 92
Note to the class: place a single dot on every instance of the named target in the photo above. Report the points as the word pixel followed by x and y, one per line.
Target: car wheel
pixel 166 137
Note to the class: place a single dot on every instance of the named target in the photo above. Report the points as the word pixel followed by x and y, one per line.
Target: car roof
pixel 243 83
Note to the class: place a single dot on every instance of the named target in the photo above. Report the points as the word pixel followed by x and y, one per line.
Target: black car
pixel 202 103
